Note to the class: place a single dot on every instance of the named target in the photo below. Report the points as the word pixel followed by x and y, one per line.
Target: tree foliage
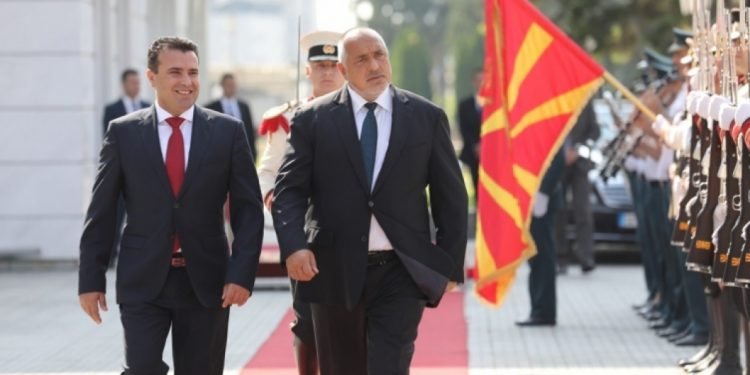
pixel 410 61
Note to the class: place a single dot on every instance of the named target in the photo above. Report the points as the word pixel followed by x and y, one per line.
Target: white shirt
pixel 678 103
pixel 131 104
pixel 231 107
pixel 384 119
pixel 165 131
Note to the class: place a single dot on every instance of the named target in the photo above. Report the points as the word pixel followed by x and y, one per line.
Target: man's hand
pixel 301 265
pixel 269 200
pixel 234 295
pixel 91 303
pixel 451 285
pixel 571 155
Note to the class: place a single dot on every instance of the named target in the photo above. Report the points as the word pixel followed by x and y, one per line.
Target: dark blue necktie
pixel 368 140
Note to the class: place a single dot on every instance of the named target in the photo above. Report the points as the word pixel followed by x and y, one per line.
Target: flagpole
pixel 633 99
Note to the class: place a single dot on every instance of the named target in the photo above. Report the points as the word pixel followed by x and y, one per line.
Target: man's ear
pixel 342 69
pixel 150 76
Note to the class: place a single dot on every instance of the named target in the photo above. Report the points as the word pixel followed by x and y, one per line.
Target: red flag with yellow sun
pixel 536 81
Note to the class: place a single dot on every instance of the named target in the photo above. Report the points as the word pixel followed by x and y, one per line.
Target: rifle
pixel 701 254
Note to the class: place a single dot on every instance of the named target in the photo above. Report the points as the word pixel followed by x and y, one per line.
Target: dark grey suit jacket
pixel 131 163
pixel 323 171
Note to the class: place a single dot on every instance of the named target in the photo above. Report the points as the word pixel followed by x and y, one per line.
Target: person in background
pixel 324 77
pixel 230 104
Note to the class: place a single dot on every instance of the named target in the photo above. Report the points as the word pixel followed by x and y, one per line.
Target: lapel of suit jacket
pixel 400 120
pixel 150 135
pixel 198 145
pixel 343 116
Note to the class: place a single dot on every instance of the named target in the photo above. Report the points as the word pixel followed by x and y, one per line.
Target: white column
pixel 47 60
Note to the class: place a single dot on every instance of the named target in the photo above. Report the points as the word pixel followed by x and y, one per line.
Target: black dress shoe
pixel 692 340
pixel 536 322
pixel 678 335
pixel 587 268
pixel 659 324
pixel 701 355
pixel 669 331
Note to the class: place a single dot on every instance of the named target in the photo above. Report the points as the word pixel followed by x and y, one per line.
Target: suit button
pixel 371 204
pixel 176 205
pixel 364 238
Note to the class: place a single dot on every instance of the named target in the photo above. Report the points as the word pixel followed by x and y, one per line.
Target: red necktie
pixel 175 163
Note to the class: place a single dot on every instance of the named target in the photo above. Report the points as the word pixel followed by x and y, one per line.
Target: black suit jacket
pixel 131 163
pixel 247 119
pixel 470 123
pixel 323 166
pixel 117 109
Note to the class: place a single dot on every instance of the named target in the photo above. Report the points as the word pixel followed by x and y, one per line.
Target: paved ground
pixel 42 330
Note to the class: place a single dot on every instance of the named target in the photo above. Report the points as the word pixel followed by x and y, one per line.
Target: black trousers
pixel 542 277
pixel 302 327
pixel 377 336
pixel 199 334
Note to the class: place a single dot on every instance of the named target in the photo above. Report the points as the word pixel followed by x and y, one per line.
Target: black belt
pixel 380 257
pixel 178 261
pixel 658 183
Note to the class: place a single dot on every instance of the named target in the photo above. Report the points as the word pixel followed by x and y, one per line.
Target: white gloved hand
pixel 540 204
pixel 631 163
pixel 660 123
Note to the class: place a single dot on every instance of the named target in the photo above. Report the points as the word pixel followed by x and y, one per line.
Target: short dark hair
pixel 127 72
pixel 225 77
pixel 168 42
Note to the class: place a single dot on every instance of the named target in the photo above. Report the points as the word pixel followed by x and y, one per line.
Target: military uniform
pixel 320 46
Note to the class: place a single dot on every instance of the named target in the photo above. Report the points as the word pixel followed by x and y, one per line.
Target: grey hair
pixel 355 33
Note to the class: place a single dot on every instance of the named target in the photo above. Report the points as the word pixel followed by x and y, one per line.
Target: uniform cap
pixel 321 45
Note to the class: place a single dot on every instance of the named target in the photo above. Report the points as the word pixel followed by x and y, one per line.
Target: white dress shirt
pixel 384 118
pixel 231 107
pixel 131 104
pixel 165 131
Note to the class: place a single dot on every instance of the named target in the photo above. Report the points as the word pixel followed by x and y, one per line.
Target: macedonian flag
pixel 536 81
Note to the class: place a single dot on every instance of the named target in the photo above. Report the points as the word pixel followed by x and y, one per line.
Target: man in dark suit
pixel 129 102
pixel 470 123
pixel 230 105
pixel 351 213
pixel 542 278
pixel 174 163
pixel 575 179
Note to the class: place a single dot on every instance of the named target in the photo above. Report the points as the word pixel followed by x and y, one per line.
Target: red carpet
pixel 441 345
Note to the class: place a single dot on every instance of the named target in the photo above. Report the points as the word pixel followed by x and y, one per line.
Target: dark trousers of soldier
pixel 672 302
pixel 542 278
pixel 576 181
pixel 304 335
pixel 638 190
pixel 694 297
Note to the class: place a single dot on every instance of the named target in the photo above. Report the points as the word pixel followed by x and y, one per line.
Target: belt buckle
pixel 178 260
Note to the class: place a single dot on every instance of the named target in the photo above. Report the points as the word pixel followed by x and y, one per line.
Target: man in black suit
pixel 174 163
pixel 129 102
pixel 230 105
pixel 470 123
pixel 542 278
pixel 575 178
pixel 351 213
